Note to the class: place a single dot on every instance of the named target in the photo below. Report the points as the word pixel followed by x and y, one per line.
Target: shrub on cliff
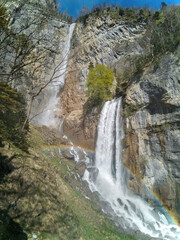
pixel 3 16
pixel 165 30
pixel 100 84
pixel 12 116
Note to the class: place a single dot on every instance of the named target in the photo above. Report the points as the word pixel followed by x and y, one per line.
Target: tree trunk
pixel 28 112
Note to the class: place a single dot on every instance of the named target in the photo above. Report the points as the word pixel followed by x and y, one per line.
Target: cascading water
pixel 51 114
pixel 109 180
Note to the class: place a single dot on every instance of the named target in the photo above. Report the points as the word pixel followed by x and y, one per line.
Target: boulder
pixel 80 168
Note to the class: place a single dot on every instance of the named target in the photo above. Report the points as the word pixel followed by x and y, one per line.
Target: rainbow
pixel 170 214
pixel 66 147
pixel 159 202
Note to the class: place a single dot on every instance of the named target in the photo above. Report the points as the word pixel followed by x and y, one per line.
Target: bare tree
pixel 36 87
pixel 85 10
pixel 28 54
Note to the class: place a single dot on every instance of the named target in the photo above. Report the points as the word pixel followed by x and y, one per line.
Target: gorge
pixel 121 155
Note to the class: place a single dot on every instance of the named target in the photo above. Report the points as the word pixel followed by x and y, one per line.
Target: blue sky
pixel 73 6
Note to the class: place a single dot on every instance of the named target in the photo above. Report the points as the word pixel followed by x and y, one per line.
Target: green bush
pixel 121 12
pixel 100 84
pixel 130 110
pixel 129 15
pixel 12 116
pixel 3 16
pixel 84 19
pixel 164 30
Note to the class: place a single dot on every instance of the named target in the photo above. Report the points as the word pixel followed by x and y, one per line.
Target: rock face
pixel 37 3
pixel 104 41
pixel 152 144
pixel 39 21
pixel 108 41
pixel 55 32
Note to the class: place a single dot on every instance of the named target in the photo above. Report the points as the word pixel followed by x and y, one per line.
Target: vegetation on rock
pixel 39 189
pixel 165 31
pixel 25 50
pixel 41 192
pixel 100 84
pixel 3 16
pixel 116 12
pixel 12 116
pixel 130 109
pixel 163 26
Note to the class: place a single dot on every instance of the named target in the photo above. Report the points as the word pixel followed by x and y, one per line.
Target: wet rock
pixel 80 168
pixel 153 130
pixel 93 173
pixel 67 154
pixel 103 41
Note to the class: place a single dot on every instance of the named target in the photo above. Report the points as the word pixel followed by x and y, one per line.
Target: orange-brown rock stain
pixel 131 157
pixel 79 128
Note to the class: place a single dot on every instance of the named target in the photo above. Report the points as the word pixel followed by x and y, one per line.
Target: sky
pixel 73 6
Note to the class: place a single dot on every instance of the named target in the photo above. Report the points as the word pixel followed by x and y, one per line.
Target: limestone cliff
pixel 105 41
pixel 151 104
pixel 152 143
pixel 41 196
pixel 44 28
pixel 36 3
pixel 151 100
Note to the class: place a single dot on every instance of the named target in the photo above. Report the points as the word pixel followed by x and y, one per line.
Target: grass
pixel 92 225
pixel 49 203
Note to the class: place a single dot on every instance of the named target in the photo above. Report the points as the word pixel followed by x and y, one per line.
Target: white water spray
pixel 109 180
pixel 51 114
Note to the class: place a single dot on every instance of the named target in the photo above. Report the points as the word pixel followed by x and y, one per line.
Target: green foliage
pixel 91 65
pixel 160 19
pixel 3 16
pixel 128 14
pixel 121 12
pixel 10 229
pixel 141 62
pixel 164 30
pixel 84 19
pixel 12 116
pixel 165 126
pixel 163 5
pixel 100 84
pixel 130 109
pixel 156 15
pixel 178 38
pixel 123 80
pixel 163 27
pixel 164 33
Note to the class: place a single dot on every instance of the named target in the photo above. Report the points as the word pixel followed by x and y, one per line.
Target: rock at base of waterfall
pixel 80 168
pixel 67 154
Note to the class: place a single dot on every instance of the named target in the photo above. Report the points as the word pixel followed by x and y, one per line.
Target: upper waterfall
pixel 109 180
pixel 51 114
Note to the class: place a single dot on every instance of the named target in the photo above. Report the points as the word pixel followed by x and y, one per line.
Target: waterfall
pixel 108 179
pixel 51 113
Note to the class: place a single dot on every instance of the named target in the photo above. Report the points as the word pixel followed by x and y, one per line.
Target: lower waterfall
pixel 107 177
